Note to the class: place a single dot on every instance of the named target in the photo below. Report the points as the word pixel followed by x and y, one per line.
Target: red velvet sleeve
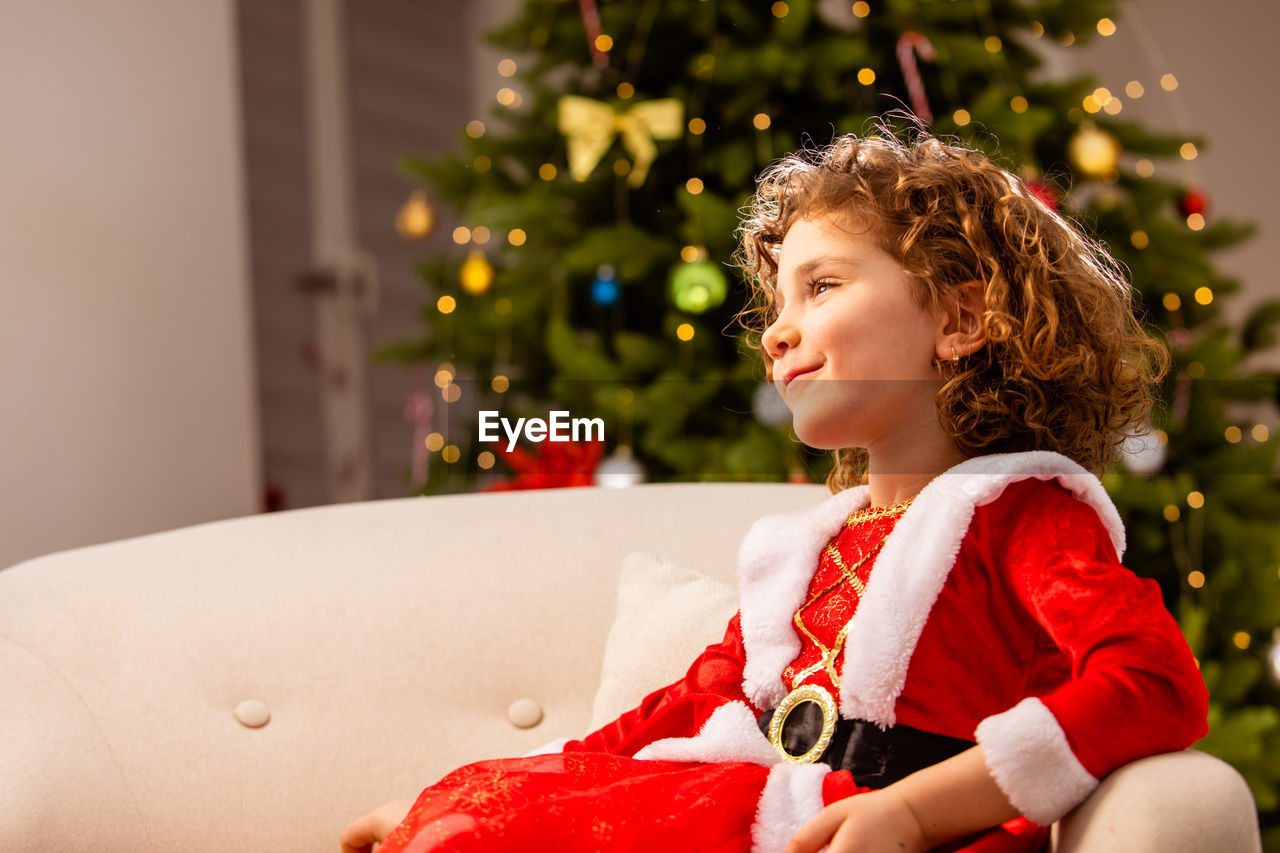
pixel 680 709
pixel 1134 688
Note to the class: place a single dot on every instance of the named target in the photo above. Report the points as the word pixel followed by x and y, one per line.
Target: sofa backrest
pixel 382 643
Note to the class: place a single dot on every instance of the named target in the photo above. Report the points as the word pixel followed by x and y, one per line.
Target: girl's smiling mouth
pixel 791 375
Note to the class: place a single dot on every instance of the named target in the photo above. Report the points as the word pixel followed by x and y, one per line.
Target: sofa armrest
pixel 61 787
pixel 1179 802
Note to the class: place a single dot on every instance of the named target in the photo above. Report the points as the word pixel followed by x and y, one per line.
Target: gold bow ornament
pixel 591 125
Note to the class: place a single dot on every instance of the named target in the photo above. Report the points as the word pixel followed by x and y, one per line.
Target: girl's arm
pixel 949 800
pixel 1133 688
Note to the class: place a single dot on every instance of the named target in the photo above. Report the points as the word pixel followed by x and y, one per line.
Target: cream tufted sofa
pixel 255 684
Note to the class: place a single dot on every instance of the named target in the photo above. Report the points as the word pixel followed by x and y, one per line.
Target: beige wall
pixel 126 396
pixel 126 402
pixel 1223 54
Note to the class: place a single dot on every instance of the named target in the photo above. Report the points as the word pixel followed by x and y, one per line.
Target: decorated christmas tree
pixel 591 273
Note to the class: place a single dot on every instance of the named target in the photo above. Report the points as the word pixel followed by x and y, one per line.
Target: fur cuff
pixel 1030 759
pixel 792 797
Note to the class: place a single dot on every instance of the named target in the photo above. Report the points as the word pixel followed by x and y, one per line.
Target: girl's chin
pixel 820 439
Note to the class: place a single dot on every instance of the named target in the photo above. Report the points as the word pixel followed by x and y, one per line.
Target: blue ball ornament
pixel 605 290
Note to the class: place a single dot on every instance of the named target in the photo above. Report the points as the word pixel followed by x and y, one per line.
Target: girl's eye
pixel 816 287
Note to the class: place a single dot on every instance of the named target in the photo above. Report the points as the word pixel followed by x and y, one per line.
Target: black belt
pixel 876 757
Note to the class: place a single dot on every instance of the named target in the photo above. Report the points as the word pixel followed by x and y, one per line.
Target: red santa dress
pixel 994 610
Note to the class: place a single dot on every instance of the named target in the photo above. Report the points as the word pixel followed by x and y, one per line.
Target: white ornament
pixel 769 407
pixel 1143 453
pixel 839 14
pixel 619 471
pixel 1273 655
pixel 1089 194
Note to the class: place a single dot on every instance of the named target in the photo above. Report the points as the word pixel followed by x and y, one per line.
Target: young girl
pixel 947 653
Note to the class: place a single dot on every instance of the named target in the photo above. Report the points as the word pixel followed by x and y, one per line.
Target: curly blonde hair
pixel 1067 365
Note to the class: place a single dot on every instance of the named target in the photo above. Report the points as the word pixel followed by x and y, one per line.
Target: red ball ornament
pixel 1192 201
pixel 1044 192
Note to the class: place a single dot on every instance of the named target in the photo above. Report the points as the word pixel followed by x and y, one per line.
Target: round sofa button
pixel 253 714
pixel 524 713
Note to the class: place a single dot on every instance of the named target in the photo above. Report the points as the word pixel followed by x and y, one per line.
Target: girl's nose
pixel 779 337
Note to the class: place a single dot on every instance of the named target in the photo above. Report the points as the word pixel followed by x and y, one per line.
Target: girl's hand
pixel 361 835
pixel 875 822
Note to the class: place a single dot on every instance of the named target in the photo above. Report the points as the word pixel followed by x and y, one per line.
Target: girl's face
pixel 852 352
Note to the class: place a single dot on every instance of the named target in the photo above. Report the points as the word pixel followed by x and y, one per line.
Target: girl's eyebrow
pixel 808 266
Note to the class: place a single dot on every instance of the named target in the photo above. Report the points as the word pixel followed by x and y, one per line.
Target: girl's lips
pixel 791 377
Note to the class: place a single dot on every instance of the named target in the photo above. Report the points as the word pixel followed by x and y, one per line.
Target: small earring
pixel 955 359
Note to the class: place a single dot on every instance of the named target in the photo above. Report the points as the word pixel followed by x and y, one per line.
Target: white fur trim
pixel 778 556
pixel 551 748
pixel 792 797
pixel 729 734
pixel 775 563
pixel 1030 759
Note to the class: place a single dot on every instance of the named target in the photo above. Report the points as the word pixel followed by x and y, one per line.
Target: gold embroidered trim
pixel 875 513
pixel 847 570
pixel 827 661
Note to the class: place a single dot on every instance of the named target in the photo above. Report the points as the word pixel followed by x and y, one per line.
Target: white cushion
pixel 666 616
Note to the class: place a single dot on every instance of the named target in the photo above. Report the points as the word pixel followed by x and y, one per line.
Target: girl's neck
pixel 890 489
pixel 896 474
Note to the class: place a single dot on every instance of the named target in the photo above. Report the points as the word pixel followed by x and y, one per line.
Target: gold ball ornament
pixel 1093 151
pixel 416 219
pixel 476 274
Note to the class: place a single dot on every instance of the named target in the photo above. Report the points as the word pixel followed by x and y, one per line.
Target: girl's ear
pixel 961 330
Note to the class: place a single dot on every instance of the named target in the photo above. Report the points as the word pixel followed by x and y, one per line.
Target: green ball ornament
pixel 697 286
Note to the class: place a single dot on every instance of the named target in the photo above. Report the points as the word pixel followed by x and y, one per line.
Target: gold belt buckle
pixel 802 694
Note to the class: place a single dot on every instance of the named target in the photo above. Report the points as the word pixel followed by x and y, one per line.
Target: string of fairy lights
pixel 698 284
